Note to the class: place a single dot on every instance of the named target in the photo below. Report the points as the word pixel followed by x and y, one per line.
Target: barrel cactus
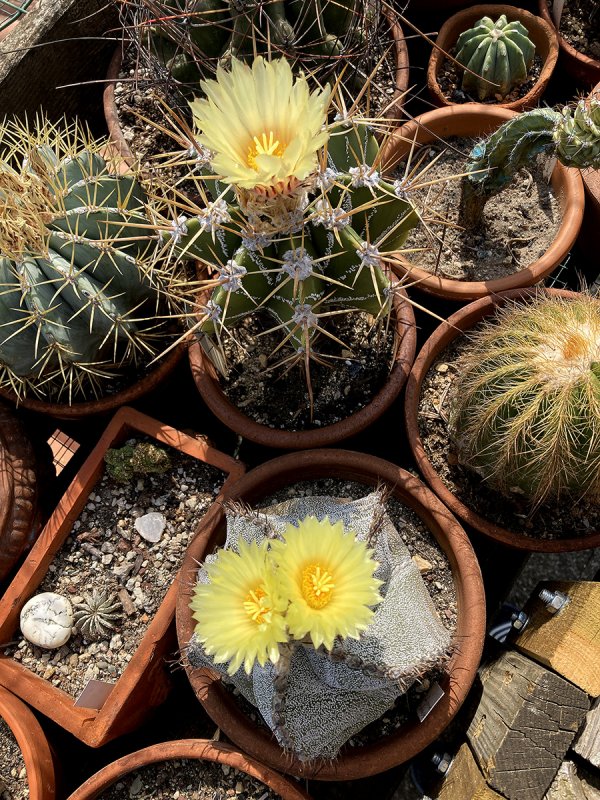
pixel 497 57
pixel 81 302
pixel 299 218
pixel 526 402
pixel 570 135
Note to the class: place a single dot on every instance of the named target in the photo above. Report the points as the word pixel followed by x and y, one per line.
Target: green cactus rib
pixel 497 56
pixel 526 404
pixel 80 301
pixel 332 259
pixel 573 136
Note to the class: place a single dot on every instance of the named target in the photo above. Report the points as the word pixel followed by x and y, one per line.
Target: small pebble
pixel 46 620
pixel 151 526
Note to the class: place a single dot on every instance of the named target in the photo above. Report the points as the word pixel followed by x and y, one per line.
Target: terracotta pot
pixel 109 402
pixel 410 739
pixel 540 32
pixel 207 382
pixel 474 120
pixel 111 112
pixel 19 521
pixel 195 750
pixel 582 68
pixel 144 682
pixel 463 320
pixel 33 745
pixel 588 237
pixel 6 15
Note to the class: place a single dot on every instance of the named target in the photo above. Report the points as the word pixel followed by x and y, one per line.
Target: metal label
pixel 94 694
pixel 428 703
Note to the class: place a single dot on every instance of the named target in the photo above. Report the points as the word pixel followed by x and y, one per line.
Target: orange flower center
pixel 266 145
pixel 256 605
pixel 317 586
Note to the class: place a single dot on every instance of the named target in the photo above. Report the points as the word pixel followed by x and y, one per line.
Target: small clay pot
pixel 582 68
pixel 33 745
pixel 474 120
pixel 540 32
pixel 192 749
pixel 464 320
pixel 109 402
pixel 207 382
pixel 352 762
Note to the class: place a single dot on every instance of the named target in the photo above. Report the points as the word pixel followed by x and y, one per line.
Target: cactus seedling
pixel 571 135
pixel 143 458
pixel 497 55
pixel 526 407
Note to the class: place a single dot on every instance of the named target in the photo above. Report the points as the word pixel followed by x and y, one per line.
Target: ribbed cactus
pixel 190 37
pixel 572 136
pixel 497 56
pixel 526 402
pixel 78 295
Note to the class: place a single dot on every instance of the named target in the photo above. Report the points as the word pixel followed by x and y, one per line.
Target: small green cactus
pixel 526 403
pixel 82 300
pixel 497 56
pixel 572 136
pixel 143 458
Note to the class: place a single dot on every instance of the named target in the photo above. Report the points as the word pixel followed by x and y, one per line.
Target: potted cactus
pixel 519 417
pixel 85 304
pixel 494 48
pixel 293 228
pixel 569 135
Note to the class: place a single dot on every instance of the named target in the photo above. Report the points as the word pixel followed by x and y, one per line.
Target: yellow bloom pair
pixel 317 581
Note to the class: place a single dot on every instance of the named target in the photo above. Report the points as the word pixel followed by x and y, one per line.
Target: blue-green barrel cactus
pixel 497 56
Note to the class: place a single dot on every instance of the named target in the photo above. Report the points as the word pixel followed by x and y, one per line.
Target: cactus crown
pixel 497 55
pixel 80 284
pixel 526 405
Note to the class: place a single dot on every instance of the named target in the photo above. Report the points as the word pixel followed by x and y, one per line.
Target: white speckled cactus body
pixel 497 56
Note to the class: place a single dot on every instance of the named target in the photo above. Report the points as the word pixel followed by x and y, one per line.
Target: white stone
pixel 46 620
pixel 151 526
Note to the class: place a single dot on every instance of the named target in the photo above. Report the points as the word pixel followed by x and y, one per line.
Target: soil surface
pixel 105 551
pixel 13 776
pixel 580 26
pixel 450 82
pixel 519 223
pixel 188 780
pixel 550 521
pixel 347 382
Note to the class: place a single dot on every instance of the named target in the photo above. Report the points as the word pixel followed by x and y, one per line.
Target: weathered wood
pixel 464 780
pixel 526 719
pixel 573 783
pixel 47 50
pixel 587 743
pixel 568 641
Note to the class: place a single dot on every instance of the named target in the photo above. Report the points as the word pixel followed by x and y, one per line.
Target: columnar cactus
pixel 526 402
pixel 497 56
pixel 572 136
pixel 79 296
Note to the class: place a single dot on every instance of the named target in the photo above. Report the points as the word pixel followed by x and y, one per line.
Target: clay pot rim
pixel 111 113
pixel 462 320
pixel 446 39
pixel 567 184
pixel 352 763
pixel 587 62
pixel 33 744
pixel 207 382
pixel 104 404
pixel 195 749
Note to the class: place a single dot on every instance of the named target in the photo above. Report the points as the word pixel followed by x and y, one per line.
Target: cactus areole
pixel 79 298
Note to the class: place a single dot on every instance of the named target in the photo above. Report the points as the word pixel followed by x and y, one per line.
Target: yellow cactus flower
pixel 239 612
pixel 263 127
pixel 327 576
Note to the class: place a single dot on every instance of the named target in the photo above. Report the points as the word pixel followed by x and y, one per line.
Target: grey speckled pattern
pixel 314 701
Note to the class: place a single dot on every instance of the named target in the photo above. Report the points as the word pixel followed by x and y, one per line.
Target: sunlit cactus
pixel 80 292
pixel 526 402
pixel 571 135
pixel 497 56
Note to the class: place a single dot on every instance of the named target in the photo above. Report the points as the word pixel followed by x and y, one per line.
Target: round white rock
pixel 47 620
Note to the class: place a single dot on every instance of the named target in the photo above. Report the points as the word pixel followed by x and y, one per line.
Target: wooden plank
pixel 526 719
pixel 568 641
pixel 587 743
pixel 464 780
